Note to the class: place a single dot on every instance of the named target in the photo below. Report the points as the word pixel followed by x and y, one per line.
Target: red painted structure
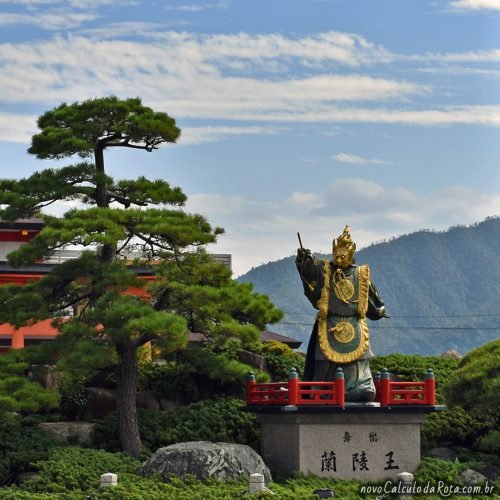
pixel 13 235
pixel 296 393
pixel 389 393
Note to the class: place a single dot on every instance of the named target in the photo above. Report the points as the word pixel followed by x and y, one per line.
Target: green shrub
pixel 73 396
pixel 78 469
pixel 454 427
pixel 200 374
pixel 21 443
pixel 280 359
pixel 215 420
pixel 489 443
pixel 476 382
pixel 172 380
pixel 433 470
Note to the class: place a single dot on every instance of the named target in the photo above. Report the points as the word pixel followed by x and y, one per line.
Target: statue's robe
pixel 340 337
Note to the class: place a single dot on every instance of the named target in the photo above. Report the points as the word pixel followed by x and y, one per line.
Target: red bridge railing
pixel 296 393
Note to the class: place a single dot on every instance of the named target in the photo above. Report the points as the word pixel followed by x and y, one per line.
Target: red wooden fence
pixel 296 393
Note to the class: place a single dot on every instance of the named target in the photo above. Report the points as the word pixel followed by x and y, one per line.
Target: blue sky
pixel 296 115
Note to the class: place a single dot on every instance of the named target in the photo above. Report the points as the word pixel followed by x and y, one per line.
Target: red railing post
pixel 293 387
pixel 385 387
pixel 430 388
pixel 339 387
pixel 250 386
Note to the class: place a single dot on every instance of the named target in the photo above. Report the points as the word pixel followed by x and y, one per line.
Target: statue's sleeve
pixel 311 273
pixel 376 308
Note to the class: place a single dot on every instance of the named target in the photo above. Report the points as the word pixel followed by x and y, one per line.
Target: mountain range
pixel 441 289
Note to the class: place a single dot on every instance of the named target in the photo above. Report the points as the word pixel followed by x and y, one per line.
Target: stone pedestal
pixel 360 442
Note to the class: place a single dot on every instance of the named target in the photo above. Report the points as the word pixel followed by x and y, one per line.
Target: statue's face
pixel 342 257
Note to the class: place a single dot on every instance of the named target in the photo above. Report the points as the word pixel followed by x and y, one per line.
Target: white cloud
pixel 31 3
pixel 17 128
pixel 197 7
pixel 470 56
pixel 47 20
pixel 198 135
pixel 176 72
pixel 358 160
pixel 304 199
pixel 187 75
pixel 213 203
pixel 450 115
pixel 475 4
pixel 257 232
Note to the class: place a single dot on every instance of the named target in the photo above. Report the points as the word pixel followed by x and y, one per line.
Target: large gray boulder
pixel 471 477
pixel 206 460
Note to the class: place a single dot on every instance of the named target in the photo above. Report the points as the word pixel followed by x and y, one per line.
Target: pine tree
pixel 113 219
pixel 17 392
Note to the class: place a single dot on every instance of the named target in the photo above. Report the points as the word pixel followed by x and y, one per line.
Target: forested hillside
pixel 442 290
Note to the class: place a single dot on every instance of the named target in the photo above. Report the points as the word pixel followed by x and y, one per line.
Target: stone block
pixel 364 446
pixel 108 479
pixel 69 432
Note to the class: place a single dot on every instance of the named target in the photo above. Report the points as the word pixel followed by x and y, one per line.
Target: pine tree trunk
pixel 128 423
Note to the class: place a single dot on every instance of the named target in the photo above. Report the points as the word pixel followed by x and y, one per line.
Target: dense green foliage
pixel 445 277
pixel 475 387
pixel 216 420
pixel 203 293
pixel 71 387
pixel 74 473
pixel 476 383
pixel 455 427
pixel 21 444
pixel 17 392
pixel 280 359
pixel 199 374
pixel 76 128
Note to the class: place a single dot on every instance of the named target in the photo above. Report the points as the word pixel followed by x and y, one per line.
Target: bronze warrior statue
pixel 345 296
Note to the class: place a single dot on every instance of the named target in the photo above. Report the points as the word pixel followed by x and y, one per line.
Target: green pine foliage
pixel 202 374
pixel 203 293
pixel 113 219
pixel 17 392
